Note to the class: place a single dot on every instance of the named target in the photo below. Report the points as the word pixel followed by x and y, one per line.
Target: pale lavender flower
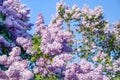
pixel 3 59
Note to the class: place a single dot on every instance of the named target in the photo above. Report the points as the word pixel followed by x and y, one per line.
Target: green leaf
pixel 99 60
pixel 51 77
pixel 33 59
pixel 2 16
pixel 103 37
pixel 39 77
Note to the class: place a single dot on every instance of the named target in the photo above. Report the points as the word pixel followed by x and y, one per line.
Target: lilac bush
pixel 55 51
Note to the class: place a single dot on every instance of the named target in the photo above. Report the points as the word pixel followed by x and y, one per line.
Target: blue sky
pixel 48 8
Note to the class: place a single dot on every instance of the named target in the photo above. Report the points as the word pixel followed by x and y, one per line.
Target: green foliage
pixel 62 11
pixel 36 47
pixel 99 60
pixel 103 37
pixel 38 77
pixel 108 61
pixel 117 77
pixel 48 77
pixel 36 42
pixel 51 77
pixel 2 16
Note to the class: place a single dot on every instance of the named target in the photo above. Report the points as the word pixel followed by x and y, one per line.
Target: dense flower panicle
pixel 61 60
pixel 96 12
pixel 87 15
pixel 67 13
pixel 74 67
pixel 19 72
pixel 41 66
pixel 17 26
pixel 16 20
pixel 14 71
pixel 39 24
pixel 52 44
pixel 70 75
pixel 22 11
pixel 41 70
pixel 84 71
pixel 13 56
pixel 54 40
pixel 86 66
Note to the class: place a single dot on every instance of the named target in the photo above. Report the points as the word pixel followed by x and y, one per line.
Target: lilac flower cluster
pixel 20 9
pixel 59 63
pixel 54 39
pixel 76 71
pixel 66 13
pixel 13 56
pixel 84 71
pixel 75 13
pixel 16 22
pixel 19 72
pixel 41 66
pixel 14 71
pixel 60 60
pixel 44 66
